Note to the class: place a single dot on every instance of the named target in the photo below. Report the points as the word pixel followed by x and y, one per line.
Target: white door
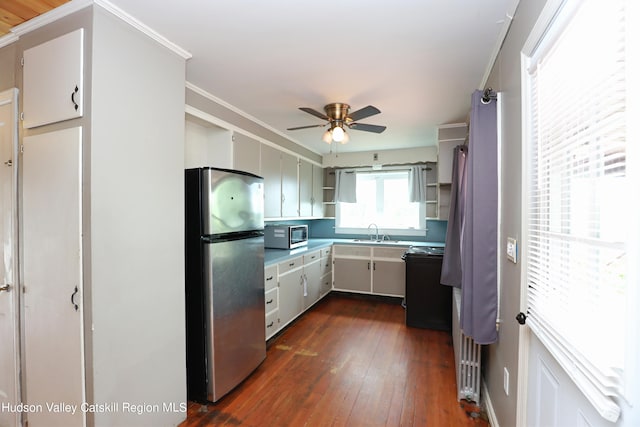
pixel 9 381
pixel 52 84
pixel 52 278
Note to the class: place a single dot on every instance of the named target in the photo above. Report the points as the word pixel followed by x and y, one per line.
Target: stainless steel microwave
pixel 282 236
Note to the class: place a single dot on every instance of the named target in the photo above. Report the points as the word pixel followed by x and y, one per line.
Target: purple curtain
pixel 471 253
pixel 452 260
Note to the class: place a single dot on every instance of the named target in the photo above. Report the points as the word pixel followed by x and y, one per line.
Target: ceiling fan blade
pixel 314 113
pixel 362 113
pixel 306 127
pixel 367 128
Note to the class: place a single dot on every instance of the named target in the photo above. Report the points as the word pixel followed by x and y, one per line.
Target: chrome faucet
pixel 369 230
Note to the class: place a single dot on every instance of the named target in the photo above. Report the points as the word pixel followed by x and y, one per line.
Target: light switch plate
pixel 512 249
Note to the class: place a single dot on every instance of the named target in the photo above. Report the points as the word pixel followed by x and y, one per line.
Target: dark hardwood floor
pixel 347 362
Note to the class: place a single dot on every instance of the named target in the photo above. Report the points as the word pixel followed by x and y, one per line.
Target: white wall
pixel 137 224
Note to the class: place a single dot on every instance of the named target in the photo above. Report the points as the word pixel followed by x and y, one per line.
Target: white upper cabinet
pixel 270 170
pixel 246 154
pixel 53 84
pixel 289 165
pixel 306 188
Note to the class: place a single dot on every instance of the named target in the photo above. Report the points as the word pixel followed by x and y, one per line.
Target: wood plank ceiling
pixel 15 12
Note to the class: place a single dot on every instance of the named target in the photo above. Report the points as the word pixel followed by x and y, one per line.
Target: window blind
pixel 577 189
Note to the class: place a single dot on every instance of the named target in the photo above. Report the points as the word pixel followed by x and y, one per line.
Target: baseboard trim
pixel 488 406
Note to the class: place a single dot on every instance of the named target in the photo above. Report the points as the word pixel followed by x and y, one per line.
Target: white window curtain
pixel 577 196
pixel 417 184
pixel 345 191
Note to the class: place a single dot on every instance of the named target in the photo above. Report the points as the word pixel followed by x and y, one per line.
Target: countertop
pixel 272 256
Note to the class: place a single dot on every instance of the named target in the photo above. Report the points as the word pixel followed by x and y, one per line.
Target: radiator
pixel 467 355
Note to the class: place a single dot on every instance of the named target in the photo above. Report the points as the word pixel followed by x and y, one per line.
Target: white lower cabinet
pixel 294 285
pixel 290 292
pixel 271 300
pixel 377 270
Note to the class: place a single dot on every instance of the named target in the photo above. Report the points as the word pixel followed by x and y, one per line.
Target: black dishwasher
pixel 428 303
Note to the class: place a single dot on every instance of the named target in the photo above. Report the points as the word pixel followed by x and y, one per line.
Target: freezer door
pixel 235 314
pixel 231 201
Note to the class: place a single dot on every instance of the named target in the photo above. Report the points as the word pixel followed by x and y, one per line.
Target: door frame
pixel 10 97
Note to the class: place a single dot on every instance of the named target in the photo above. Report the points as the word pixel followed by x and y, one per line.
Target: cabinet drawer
pixel 327 265
pixel 389 253
pixel 311 257
pixel 270 279
pixel 272 324
pixel 325 251
pixel 352 251
pixel 289 265
pixel 271 300
pixel 325 284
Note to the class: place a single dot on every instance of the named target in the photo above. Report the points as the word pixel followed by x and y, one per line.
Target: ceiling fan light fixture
pixel 345 138
pixel 338 134
pixel 326 137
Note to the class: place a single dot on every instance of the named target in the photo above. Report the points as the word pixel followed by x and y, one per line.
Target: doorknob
pixel 5 288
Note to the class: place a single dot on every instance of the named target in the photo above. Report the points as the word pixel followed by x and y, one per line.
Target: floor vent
pixel 467 356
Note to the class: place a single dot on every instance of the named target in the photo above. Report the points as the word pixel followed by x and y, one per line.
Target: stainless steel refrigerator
pixel 224 279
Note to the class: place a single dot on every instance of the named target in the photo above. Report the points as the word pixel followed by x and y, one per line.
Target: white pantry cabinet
pixel 82 203
pixel 53 83
pixel 52 259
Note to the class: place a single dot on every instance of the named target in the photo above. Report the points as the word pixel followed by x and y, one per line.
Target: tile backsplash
pixel 325 229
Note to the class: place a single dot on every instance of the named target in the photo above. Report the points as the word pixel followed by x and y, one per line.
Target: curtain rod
pixel 488 95
pixel 363 170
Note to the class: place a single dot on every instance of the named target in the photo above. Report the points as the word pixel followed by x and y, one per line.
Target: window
pixel 577 203
pixel 382 199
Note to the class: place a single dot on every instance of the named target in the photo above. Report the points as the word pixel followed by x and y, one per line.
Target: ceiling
pixel 418 61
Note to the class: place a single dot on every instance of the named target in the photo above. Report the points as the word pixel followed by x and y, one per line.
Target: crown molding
pixel 247 116
pixel 76 5
pixel 51 16
pixel 124 16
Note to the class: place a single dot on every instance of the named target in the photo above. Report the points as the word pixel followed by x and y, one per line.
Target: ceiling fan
pixel 337 115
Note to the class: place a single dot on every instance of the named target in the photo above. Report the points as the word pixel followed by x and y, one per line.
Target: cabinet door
pixel 289 166
pixel 388 277
pixel 290 294
pixel 306 188
pixel 270 169
pixel 318 192
pixel 313 276
pixel 246 154
pixel 52 80
pixel 53 308
pixel 9 350
pixel 352 275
